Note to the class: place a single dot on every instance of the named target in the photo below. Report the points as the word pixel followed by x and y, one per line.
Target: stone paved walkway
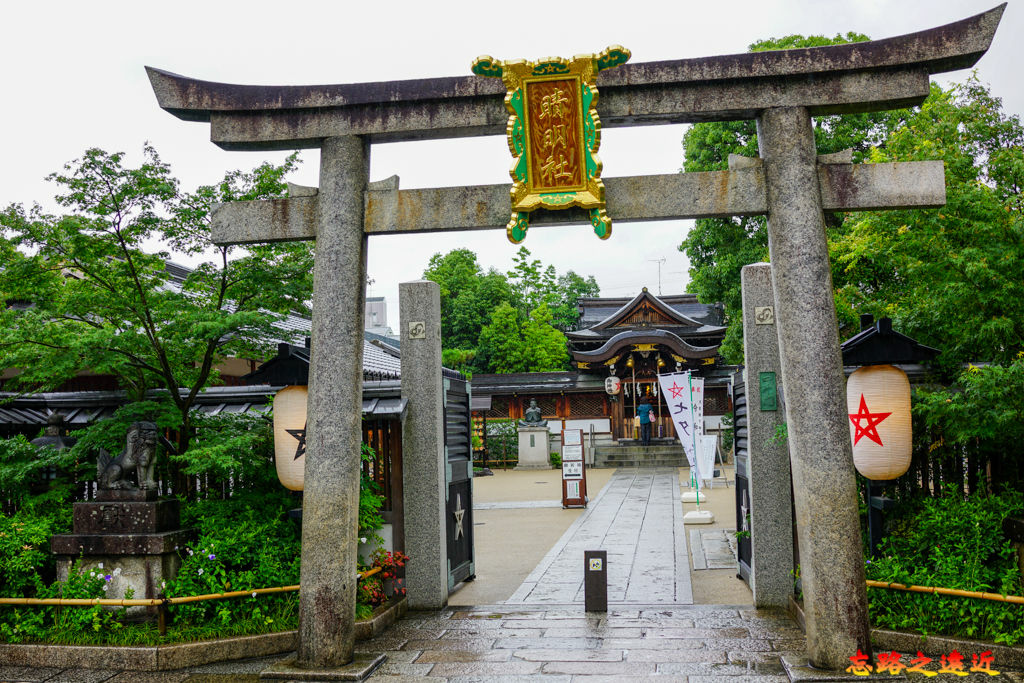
pixel 651 634
pixel 638 519
pixel 556 644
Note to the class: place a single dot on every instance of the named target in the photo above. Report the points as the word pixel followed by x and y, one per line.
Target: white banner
pixel 684 395
pixel 706 456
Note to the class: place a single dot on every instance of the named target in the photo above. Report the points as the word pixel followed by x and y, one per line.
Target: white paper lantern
pixel 878 402
pixel 290 436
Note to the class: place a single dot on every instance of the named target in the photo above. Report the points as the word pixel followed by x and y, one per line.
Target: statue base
pixel 534 449
pixel 126 530
pixel 125 495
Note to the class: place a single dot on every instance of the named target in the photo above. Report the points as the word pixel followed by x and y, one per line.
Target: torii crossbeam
pixel 782 90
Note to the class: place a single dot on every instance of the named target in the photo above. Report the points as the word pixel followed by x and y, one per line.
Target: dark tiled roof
pixel 594 310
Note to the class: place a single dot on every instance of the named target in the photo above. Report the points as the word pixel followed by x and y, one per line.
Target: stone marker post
pixel 423 455
pixel 831 560
pixel 771 510
pixel 330 502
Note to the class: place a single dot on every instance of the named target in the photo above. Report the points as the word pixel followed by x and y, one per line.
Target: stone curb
pixel 182 655
pixel 933 645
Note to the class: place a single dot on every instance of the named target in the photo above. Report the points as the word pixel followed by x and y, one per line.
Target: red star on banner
pixel 676 390
pixel 869 430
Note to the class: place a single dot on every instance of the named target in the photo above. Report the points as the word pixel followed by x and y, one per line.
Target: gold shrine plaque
pixel 554 133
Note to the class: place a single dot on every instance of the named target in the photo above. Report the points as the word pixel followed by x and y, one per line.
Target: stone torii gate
pixel 782 90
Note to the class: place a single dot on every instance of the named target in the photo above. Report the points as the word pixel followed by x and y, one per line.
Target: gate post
pixel 423 458
pixel 330 501
pixel 771 510
pixel 824 485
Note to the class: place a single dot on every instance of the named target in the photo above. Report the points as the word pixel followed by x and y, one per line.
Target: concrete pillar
pixel 771 512
pixel 330 501
pixel 831 560
pixel 423 456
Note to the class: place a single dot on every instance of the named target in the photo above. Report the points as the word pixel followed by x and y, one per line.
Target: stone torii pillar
pixel 821 457
pixel 782 90
pixel 330 499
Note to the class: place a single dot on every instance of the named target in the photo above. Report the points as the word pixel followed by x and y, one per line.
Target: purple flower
pixel 108 577
pixel 212 556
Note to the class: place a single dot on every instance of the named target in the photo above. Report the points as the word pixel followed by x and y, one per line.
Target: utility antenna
pixel 659 261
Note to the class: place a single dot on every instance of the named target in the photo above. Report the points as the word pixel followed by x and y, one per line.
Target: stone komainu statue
pixel 138 456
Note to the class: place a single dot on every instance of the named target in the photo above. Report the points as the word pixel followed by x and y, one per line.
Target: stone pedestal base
pixel 143 574
pixel 533 449
pixel 800 670
pixel 361 667
pixel 130 536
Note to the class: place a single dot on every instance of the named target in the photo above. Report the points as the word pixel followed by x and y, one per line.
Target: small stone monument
pixel 533 440
pixel 126 527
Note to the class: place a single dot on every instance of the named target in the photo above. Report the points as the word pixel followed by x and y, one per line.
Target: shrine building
pixel 633 340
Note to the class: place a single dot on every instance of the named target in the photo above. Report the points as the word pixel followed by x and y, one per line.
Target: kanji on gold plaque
pixel 554 133
pixel 555 147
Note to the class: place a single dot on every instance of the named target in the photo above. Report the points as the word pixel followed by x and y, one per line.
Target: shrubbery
pixel 951 542
pixel 244 539
pixel 243 543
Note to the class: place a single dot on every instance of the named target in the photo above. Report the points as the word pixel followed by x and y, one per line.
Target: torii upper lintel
pixel 856 77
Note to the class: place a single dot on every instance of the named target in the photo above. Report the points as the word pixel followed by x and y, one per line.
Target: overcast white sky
pixel 73 78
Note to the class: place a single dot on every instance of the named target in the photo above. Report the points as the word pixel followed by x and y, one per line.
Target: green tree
pixel 531 282
pixel 718 248
pixel 89 297
pixel 509 344
pixel 468 296
pixel 476 305
pixel 950 277
pixel 565 312
pixel 501 341
pixel 544 346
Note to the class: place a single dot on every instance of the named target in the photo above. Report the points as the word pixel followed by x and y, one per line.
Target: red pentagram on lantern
pixel 676 390
pixel 869 430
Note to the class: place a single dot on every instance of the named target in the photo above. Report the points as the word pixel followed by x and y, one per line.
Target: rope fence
pixel 998 597
pixel 160 603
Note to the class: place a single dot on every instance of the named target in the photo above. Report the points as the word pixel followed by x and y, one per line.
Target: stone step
pixel 637 450
pixel 630 465
pixel 650 462
pixel 641 453
pixel 627 449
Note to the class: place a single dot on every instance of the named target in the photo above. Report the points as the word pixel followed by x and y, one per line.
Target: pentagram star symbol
pixel 870 429
pixel 676 390
pixel 300 435
pixel 459 513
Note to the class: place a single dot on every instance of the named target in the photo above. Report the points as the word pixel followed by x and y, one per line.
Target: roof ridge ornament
pixel 554 133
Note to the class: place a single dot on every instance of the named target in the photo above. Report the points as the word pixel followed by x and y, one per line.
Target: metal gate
pixel 739 426
pixel 459 476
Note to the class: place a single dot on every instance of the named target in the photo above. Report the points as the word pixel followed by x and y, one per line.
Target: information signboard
pixel 574 475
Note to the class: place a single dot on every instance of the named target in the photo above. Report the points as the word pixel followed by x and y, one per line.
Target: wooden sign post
pixel 574 475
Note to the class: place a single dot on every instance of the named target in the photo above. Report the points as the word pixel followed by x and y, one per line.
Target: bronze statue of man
pixel 532 417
